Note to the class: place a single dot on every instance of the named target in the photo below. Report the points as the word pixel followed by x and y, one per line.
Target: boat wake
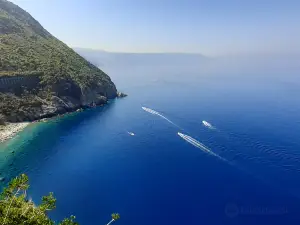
pixel 199 145
pixel 160 115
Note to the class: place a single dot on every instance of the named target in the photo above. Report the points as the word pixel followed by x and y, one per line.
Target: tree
pixel 16 209
pixel 69 221
pixel 48 202
pixel 114 217
pixel 15 186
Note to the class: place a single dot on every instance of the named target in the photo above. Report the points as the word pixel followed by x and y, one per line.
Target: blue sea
pixel 95 168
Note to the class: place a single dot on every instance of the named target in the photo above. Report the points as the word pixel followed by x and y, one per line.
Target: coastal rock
pixel 34 107
pixel 121 95
pixel 96 96
pixel 2 119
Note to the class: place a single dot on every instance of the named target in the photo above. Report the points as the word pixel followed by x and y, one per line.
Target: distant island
pixel 41 76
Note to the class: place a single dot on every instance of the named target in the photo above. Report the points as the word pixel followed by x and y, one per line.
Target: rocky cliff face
pixel 39 75
pixel 26 99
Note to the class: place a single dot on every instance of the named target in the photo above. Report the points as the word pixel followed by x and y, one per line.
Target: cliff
pixel 39 75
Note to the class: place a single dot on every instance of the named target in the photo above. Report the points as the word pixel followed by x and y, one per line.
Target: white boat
pixel 207 124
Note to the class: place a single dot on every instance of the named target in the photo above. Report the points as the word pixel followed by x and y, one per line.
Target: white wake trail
pixel 160 115
pixel 199 145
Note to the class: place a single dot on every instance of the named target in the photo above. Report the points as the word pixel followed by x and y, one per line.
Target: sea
pixel 119 158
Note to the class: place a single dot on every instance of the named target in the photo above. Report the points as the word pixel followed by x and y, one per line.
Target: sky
pixel 209 27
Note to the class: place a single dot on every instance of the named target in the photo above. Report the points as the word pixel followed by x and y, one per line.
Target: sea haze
pixel 95 167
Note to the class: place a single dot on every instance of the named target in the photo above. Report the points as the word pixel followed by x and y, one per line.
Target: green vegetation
pixel 27 48
pixel 64 81
pixel 16 209
pixel 114 217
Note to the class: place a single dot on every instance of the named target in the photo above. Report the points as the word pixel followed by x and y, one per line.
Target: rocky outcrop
pixel 121 95
pixel 35 108
pixel 12 83
pixel 26 99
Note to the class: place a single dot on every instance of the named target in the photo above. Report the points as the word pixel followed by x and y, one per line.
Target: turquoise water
pixel 95 167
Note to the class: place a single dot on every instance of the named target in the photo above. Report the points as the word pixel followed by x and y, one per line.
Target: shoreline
pixel 11 129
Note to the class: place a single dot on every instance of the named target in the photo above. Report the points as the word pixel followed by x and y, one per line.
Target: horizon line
pixel 102 50
pixel 199 54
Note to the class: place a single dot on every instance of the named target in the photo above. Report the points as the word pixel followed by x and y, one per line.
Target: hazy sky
pixel 210 27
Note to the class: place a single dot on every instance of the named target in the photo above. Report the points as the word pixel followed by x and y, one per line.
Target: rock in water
pixel 45 77
pixel 121 95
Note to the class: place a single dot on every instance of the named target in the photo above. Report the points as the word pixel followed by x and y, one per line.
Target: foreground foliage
pixel 16 209
pixel 114 217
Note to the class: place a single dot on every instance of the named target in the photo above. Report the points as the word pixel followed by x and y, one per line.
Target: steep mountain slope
pixel 39 74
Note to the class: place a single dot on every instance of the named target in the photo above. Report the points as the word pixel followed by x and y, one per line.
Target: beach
pixel 11 129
